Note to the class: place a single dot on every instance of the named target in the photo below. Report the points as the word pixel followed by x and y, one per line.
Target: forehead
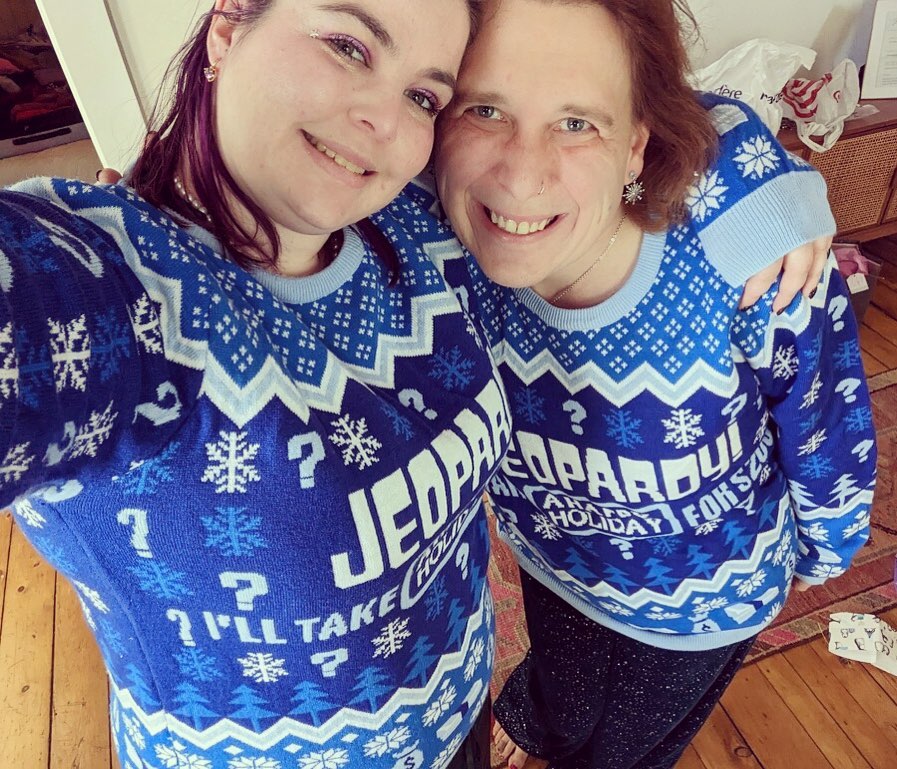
pixel 548 47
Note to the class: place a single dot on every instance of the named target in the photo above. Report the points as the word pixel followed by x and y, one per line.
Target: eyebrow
pixel 384 38
pixel 375 27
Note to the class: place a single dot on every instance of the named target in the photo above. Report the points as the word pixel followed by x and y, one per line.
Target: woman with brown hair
pixel 676 464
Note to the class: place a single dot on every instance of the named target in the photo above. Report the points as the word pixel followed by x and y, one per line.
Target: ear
pixel 221 32
pixel 640 136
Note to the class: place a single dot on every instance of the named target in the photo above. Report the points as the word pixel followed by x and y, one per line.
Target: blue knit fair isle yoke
pixel 675 461
pixel 265 491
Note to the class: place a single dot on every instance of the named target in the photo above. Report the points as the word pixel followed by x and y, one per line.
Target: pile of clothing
pixel 34 96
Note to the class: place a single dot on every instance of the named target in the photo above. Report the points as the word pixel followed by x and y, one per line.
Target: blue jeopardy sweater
pixel 674 461
pixel 265 491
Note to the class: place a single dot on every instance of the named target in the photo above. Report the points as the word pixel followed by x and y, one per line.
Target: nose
pixel 526 164
pixel 378 113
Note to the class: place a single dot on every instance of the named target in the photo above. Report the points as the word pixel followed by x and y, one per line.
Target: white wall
pixel 833 28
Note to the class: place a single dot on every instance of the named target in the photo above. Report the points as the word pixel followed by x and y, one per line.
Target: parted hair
pixel 185 136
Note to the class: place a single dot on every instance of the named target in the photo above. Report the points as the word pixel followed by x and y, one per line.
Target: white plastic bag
pixel 755 73
pixel 820 107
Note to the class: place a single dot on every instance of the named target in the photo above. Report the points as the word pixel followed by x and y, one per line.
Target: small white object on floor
pixel 864 638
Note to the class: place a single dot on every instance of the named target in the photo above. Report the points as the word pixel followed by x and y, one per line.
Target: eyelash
pixel 340 44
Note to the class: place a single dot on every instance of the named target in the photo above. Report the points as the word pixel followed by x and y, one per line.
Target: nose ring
pixel 542 188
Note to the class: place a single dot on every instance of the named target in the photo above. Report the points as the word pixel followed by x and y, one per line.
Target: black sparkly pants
pixel 587 697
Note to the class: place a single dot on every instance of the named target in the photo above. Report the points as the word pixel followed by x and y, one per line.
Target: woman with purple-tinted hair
pixel 246 416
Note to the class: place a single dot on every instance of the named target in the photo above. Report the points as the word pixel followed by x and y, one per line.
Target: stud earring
pixel 211 72
pixel 634 191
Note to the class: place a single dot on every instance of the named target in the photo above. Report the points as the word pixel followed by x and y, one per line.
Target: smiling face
pixel 544 97
pixel 324 111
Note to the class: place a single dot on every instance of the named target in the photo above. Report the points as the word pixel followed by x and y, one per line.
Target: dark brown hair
pixel 186 136
pixel 683 140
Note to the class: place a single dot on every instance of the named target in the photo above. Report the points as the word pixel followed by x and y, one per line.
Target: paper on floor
pixel 865 638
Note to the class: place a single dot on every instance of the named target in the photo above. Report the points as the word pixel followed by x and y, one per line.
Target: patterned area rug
pixel 867 587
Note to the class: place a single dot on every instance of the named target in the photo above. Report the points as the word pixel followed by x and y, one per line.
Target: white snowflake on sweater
pixel 135 732
pixel 708 527
pixel 815 531
pixel 176 757
pixel 813 443
pixel 384 743
pixel 27 513
pixel 782 550
pixel 357 446
pixel 332 758
pixel 751 584
pixel 262 668
pixel 230 465
pixel 9 366
pixel 861 522
pixel 757 158
pixel 813 393
pixel 70 344
pixel 683 428
pixel 827 570
pixel 706 196
pixel 84 440
pixel 16 463
pixel 441 705
pixel 546 528
pixel 474 658
pixel 786 363
pixel 247 762
pixel 92 595
pixel 447 753
pixel 392 638
pixel 145 321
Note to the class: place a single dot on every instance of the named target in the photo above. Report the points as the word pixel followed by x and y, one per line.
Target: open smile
pixel 519 227
pixel 338 159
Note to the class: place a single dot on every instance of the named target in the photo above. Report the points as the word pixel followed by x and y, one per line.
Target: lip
pixel 336 170
pixel 512 238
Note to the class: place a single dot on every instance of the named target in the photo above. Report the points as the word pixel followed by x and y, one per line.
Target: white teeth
pixel 339 159
pixel 518 228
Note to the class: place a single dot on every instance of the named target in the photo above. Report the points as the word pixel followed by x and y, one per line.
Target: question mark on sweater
pixel 296 448
pixel 848 387
pixel 625 547
pixel 863 450
pixel 184 627
pixel 413 399
pixel 837 310
pixel 140 531
pixel 577 416
pixel 330 661
pixel 257 585
pixel 462 557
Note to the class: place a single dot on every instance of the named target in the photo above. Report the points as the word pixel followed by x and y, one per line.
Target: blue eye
pixel 349 48
pixel 486 112
pixel 575 124
pixel 426 101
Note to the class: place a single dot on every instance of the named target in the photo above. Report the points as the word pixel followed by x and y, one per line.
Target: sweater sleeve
pixel 76 330
pixel 756 193
pixel 808 365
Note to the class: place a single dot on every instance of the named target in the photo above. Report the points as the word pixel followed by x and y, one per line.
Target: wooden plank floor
pixel 802 709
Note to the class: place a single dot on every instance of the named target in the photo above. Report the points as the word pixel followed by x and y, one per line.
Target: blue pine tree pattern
pixel 147 476
pixel 435 598
pixel 139 689
pixel 577 567
pixel 419 664
pixel 457 623
pixel 738 538
pixel 811 422
pixel 250 702
pixel 817 467
pixel 623 427
pixel 161 580
pixel 657 575
pixel 701 563
pixel 233 532
pixel 311 701
pixel 768 513
pixel 859 420
pixel 614 575
pixel 401 425
pixel 193 704
pixel 477 577
pixel 452 369
pixel 111 343
pixel 847 356
pixel 370 685
pixel 35 368
pixel 196 665
pixel 530 406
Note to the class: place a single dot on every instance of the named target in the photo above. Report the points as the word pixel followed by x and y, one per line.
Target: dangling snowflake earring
pixel 634 191
pixel 211 72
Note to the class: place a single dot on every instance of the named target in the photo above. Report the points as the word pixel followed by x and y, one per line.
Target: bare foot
pixel 516 757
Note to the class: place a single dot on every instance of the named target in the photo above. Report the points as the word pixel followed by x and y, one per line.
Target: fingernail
pixel 98 174
pixel 779 312
pixel 813 292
